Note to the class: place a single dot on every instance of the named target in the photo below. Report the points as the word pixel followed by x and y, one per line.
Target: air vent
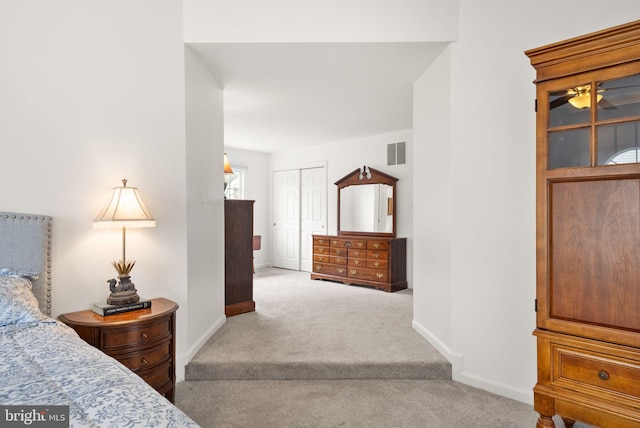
pixel 397 153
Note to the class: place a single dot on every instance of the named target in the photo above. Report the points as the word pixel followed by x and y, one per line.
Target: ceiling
pixel 283 95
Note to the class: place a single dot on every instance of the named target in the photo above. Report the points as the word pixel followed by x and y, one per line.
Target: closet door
pixel 313 209
pixel 286 219
pixel 299 211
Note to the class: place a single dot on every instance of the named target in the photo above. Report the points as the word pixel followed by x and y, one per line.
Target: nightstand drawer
pixel 597 371
pixel 146 358
pixel 159 376
pixel 138 335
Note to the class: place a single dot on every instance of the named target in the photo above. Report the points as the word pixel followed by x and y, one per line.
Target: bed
pixel 45 363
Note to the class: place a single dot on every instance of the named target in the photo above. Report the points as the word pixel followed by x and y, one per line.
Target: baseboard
pixel 459 375
pixel 183 359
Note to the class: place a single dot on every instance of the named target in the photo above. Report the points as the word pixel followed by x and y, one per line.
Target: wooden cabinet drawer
pixel 377 245
pixel 377 255
pixel 146 358
pixel 138 335
pixel 324 242
pixel 338 251
pixel 338 260
pixel 378 264
pixel 598 371
pixel 320 250
pixel 368 274
pixel 357 252
pixel 158 377
pixel 357 262
pixel 348 243
pixel 329 269
pixel 321 258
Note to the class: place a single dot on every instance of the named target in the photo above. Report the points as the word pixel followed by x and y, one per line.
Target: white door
pixel 286 219
pixel 312 212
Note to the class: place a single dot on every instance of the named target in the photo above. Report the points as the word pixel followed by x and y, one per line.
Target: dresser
pixel 378 262
pixel 142 340
pixel 238 257
pixel 588 229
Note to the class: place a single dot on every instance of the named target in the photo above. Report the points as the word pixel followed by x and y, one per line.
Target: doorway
pixel 299 211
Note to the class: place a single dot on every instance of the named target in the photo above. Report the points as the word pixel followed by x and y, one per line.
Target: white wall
pixel 345 156
pixel 258 185
pixel 205 205
pixel 325 21
pixel 93 92
pixel 489 191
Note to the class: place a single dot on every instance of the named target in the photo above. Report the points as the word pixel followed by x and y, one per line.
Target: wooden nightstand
pixel 142 340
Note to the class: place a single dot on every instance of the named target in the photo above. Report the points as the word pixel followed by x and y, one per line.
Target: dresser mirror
pixel 367 203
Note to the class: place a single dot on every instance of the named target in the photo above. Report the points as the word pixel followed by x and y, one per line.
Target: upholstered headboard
pixel 25 245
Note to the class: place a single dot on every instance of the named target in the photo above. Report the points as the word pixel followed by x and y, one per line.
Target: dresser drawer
pixel 357 252
pixel 320 250
pixel 321 258
pixel 324 242
pixel 338 260
pixel 603 372
pixel 377 255
pixel 146 358
pixel 378 264
pixel 357 262
pixel 329 269
pixel 135 336
pixel 348 243
pixel 368 274
pixel 338 251
pixel 158 377
pixel 377 245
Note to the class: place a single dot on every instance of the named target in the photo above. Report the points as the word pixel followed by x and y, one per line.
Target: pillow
pixel 33 276
pixel 18 305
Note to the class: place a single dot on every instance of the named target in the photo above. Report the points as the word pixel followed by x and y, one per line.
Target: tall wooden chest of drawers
pixel 142 340
pixel 379 262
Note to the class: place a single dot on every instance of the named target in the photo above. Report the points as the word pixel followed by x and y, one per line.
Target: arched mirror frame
pixel 362 176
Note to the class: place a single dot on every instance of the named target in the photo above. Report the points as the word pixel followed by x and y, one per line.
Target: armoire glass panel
pixel 620 98
pixel 618 143
pixel 562 112
pixel 569 148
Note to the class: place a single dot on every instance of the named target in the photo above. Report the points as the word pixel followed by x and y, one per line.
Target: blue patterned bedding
pixel 44 362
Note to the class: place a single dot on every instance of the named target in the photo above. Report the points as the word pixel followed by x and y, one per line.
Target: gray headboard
pixel 25 245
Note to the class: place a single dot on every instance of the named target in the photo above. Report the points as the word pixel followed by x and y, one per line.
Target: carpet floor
pixel 323 354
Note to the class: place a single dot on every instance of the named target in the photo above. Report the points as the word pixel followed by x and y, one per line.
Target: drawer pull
pixel 376 264
pixel 360 244
pixel 340 270
pixel 143 361
pixel 318 267
pixel 376 245
pixel 144 335
pixel 356 262
pixel 376 255
pixel 334 243
pixel 380 275
pixel 603 375
pixel 356 253
pixel 353 272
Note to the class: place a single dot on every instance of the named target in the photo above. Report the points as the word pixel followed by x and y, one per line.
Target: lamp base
pixel 123 293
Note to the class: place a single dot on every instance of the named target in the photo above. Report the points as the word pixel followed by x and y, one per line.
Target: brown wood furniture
pixel 142 340
pixel 365 251
pixel 588 229
pixel 376 261
pixel 238 257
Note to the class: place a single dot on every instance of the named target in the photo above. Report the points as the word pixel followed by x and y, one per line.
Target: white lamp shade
pixel 124 209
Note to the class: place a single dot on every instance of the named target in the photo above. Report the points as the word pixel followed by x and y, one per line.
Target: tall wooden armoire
pixel 238 256
pixel 588 229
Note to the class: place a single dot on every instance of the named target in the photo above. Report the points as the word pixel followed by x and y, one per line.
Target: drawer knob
pixel 603 375
pixel 143 361
pixel 144 335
